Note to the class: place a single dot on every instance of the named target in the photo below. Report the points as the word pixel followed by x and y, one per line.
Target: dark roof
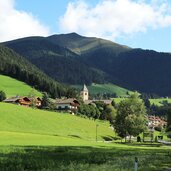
pixel 91 101
pixel 17 98
pixel 12 99
pixel 66 101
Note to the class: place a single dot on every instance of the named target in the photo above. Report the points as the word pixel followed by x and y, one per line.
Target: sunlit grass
pixel 13 87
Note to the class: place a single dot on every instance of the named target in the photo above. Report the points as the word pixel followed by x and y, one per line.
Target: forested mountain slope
pixel 56 61
pixel 17 67
pixel 86 60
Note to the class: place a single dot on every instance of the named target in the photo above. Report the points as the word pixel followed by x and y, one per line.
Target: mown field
pixel 105 88
pixel 32 139
pixel 19 119
pixel 157 102
pixel 13 87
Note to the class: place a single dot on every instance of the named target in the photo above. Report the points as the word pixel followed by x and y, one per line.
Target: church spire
pixel 84 93
pixel 85 88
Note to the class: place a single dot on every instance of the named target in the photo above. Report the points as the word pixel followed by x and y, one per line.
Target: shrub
pixel 158 128
pixel 2 96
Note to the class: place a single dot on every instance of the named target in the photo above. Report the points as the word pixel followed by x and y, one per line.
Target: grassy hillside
pixel 159 101
pixel 105 88
pixel 13 87
pixel 20 123
pixel 80 44
pixel 32 139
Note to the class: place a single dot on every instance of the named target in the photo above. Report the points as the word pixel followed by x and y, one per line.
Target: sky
pixel 142 24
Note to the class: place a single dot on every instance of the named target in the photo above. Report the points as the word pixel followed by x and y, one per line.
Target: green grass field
pixel 13 87
pixel 32 139
pixel 158 102
pixel 105 88
pixel 18 120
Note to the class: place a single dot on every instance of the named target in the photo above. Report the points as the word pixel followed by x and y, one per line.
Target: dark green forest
pixel 14 65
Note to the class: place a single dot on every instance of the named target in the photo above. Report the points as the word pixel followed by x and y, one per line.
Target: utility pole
pixel 96 131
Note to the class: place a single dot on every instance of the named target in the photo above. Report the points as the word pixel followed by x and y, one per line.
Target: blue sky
pixel 136 23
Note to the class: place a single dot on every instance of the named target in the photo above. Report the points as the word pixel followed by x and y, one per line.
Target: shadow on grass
pixel 81 158
pixel 74 136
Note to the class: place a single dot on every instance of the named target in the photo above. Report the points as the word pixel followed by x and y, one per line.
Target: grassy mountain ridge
pixel 102 61
pixel 81 45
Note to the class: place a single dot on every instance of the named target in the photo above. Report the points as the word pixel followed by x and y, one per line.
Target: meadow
pixel 105 88
pixel 32 139
pixel 13 87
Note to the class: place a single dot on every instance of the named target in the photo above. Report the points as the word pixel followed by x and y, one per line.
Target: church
pixel 84 94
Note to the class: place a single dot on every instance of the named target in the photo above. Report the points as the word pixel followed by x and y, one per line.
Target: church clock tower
pixel 84 93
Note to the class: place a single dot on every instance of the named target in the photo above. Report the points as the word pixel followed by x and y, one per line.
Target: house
pixel 24 101
pixel 154 121
pixel 107 102
pixel 70 105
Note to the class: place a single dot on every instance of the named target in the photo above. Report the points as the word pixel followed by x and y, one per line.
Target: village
pixel 71 105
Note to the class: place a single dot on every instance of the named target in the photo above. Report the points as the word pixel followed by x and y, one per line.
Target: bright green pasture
pixel 27 120
pixel 105 88
pixel 13 87
pixel 158 102
pixel 32 139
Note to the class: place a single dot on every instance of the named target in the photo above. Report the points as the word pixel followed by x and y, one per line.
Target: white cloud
pixel 16 24
pixel 113 18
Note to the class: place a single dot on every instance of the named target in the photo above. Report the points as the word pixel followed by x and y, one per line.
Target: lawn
pixel 102 157
pixel 13 87
pixel 32 139
pixel 27 120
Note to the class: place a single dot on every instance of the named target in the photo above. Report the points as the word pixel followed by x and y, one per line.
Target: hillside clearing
pixel 13 87
pixel 105 88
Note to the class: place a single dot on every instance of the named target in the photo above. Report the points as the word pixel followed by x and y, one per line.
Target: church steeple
pixel 84 93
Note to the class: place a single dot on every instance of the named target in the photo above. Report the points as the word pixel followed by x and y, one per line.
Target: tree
pixel 45 100
pixel 90 111
pixel 109 113
pixel 32 96
pixel 2 96
pixel 131 117
pixel 169 119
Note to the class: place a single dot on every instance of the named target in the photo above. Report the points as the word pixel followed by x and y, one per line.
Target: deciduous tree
pixel 131 117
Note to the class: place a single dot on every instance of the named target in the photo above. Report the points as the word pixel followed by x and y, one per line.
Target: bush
pixel 158 128
pixel 2 96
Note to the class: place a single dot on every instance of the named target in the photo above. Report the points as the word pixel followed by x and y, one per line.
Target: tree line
pixel 17 67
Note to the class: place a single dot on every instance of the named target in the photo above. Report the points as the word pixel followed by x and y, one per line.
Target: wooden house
pixel 69 105
pixel 24 101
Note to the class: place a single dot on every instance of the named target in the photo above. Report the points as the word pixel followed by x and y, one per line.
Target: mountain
pixel 82 45
pixel 16 66
pixel 56 61
pixel 86 59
